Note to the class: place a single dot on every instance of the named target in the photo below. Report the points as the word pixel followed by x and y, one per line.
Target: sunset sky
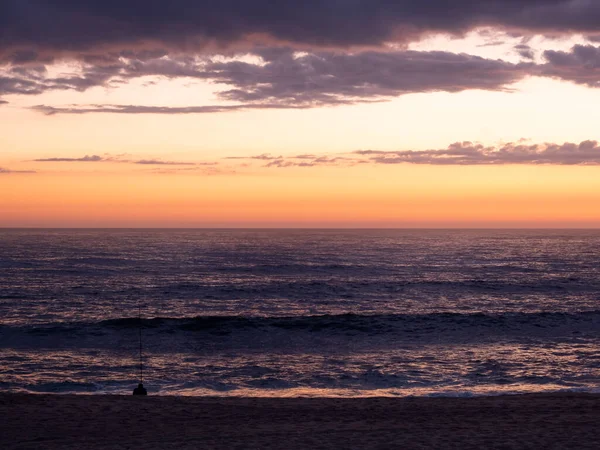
pixel 332 113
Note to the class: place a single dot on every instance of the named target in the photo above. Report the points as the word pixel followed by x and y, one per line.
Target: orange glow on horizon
pixel 402 195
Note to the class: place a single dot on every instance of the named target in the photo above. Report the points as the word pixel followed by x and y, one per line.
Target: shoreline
pixel 315 393
pixel 519 421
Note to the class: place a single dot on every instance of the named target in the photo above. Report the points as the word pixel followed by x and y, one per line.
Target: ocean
pixel 283 313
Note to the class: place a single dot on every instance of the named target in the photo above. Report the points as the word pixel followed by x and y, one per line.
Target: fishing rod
pixel 140 390
pixel 141 349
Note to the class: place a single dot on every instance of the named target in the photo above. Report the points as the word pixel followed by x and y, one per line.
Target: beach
pixel 284 339
pixel 532 421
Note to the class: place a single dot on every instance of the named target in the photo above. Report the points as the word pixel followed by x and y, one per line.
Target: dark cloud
pixel 286 163
pixel 157 162
pixel 458 154
pixel 525 51
pixel 139 109
pixel 23 57
pixel 121 159
pixel 19 85
pixel 208 169
pixel 29 29
pixel 467 153
pixel 92 158
pixel 332 78
pixel 300 160
pixel 4 171
pixel 313 163
pixel 263 157
pixel 33 79
pixel 492 44
pixel 580 65
pixel 286 79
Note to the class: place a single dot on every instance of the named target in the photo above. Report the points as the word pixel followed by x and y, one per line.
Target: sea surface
pixel 300 312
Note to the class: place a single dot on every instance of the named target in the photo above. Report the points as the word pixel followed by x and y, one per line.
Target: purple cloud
pixel 157 162
pixel 458 154
pixel 580 65
pixel 284 78
pixel 288 80
pixel 525 51
pixel 263 157
pixel 4 171
pixel 300 160
pixel 140 109
pixel 468 153
pixel 92 158
pixel 333 78
pixel 34 30
pixel 119 159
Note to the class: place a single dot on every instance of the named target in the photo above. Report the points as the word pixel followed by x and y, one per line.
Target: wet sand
pixel 548 421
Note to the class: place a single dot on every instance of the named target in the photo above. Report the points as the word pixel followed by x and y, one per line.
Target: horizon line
pixel 3 228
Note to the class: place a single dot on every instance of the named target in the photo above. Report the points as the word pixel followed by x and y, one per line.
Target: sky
pixel 332 113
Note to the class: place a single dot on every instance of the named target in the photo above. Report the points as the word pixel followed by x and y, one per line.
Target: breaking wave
pixel 446 327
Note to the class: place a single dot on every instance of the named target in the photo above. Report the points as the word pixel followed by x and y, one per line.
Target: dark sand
pixel 93 422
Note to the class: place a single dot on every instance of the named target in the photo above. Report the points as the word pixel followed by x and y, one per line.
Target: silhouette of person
pixel 140 390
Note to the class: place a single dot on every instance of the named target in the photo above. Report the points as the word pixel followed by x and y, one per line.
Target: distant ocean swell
pixel 440 327
pixel 327 287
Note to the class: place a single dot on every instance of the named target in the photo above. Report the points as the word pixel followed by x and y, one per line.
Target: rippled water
pixel 300 312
